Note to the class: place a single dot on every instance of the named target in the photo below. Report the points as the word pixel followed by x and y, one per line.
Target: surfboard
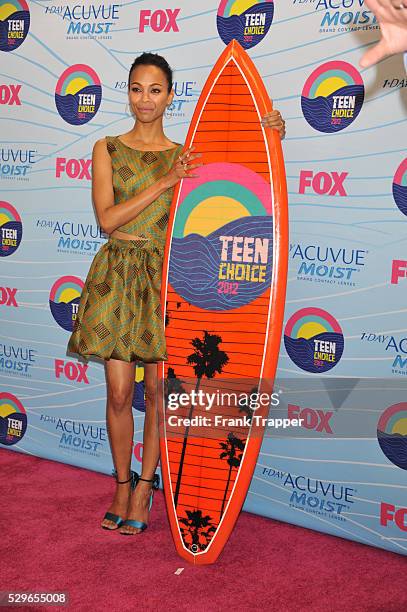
pixel 223 294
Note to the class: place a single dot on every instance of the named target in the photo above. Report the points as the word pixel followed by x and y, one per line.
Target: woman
pixel 119 315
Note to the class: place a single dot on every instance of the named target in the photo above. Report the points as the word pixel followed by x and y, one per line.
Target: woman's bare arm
pixel 111 215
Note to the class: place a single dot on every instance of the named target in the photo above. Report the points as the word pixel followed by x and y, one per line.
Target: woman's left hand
pixel 275 121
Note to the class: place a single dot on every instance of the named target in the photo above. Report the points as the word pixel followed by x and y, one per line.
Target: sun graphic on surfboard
pixel 210 202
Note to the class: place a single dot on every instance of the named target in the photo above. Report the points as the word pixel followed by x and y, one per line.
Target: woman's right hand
pixel 182 167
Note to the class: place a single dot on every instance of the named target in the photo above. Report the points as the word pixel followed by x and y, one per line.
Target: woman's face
pixel 148 93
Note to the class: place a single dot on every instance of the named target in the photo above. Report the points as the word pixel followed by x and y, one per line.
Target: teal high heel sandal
pixel 139 524
pixel 115 518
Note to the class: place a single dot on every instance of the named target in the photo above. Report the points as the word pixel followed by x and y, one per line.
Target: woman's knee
pixel 119 398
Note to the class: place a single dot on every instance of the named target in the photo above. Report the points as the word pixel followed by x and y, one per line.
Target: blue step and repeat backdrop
pixel 343 358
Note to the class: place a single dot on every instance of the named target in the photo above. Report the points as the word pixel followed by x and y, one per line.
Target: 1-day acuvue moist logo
pixel 64 300
pixel 11 229
pixel 248 21
pixel 400 187
pixel 332 96
pixel 78 94
pixel 14 24
pixel 314 340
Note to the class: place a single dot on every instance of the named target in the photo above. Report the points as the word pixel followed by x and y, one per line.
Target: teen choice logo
pixel 222 243
pixel 14 24
pixel 248 21
pixel 13 419
pixel 314 340
pixel 78 94
pixel 332 96
pixel 400 187
pixel 11 229
pixel 64 300
pixel 392 434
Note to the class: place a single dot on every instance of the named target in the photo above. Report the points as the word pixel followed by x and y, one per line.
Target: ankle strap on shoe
pixel 123 481
pixel 114 473
pixel 155 480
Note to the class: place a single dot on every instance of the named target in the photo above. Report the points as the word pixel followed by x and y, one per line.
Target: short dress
pixel 119 314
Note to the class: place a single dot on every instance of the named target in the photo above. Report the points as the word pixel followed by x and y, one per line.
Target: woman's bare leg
pixel 138 509
pixel 120 426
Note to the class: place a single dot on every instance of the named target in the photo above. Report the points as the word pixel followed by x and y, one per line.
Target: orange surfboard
pixel 223 294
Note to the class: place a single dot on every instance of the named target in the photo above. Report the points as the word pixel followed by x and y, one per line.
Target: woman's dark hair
pixel 153 59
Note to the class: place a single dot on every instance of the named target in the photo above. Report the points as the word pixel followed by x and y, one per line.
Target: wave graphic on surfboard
pixel 194 272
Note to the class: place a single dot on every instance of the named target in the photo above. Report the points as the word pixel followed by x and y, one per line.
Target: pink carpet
pixel 51 541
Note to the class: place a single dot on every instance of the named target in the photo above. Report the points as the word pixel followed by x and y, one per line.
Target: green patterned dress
pixel 119 314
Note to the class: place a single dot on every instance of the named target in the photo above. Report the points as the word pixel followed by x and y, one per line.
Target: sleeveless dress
pixel 119 314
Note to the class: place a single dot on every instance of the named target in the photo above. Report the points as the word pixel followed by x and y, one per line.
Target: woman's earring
pixel 126 110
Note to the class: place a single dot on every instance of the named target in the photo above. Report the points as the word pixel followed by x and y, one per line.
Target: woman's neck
pixel 149 133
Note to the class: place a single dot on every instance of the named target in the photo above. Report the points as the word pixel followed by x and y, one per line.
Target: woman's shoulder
pixel 103 142
pixel 107 143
